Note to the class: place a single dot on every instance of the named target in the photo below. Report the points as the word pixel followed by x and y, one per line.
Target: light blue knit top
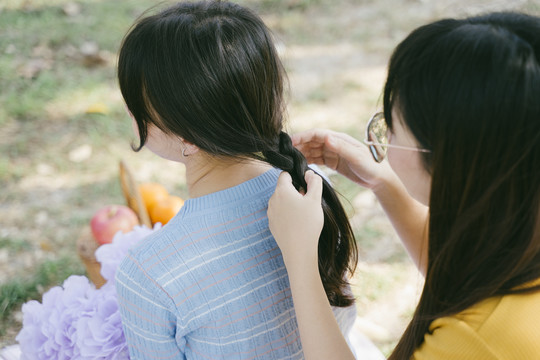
pixel 211 284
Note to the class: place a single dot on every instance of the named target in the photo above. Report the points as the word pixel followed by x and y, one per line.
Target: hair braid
pixel 286 157
pixel 337 246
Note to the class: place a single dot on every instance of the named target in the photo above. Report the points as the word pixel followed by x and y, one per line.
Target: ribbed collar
pixel 241 192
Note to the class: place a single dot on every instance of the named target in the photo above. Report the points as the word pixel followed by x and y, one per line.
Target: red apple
pixel 110 219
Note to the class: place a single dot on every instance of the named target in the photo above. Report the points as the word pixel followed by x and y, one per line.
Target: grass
pixel 14 245
pixel 17 291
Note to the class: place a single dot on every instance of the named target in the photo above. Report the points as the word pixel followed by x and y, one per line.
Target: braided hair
pixel 337 245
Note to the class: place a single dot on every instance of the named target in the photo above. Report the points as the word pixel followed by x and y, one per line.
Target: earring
pixel 184 152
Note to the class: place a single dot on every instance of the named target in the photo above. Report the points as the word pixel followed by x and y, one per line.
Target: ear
pixel 190 148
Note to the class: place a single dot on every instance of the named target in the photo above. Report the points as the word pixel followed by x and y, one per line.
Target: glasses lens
pixel 377 133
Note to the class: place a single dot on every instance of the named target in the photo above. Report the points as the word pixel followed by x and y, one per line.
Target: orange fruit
pixel 151 193
pixel 165 209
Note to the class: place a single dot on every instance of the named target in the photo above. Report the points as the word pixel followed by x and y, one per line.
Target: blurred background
pixel 63 131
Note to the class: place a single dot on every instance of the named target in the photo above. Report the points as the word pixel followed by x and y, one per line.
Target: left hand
pixel 296 220
pixel 343 153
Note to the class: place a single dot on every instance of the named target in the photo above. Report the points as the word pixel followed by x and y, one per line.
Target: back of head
pixel 208 72
pixel 469 91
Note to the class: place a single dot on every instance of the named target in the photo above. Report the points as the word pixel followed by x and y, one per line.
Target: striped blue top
pixel 211 284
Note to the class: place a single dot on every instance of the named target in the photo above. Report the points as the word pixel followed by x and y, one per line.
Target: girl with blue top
pixel 204 86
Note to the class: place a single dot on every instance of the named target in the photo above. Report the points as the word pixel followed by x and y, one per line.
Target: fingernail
pixel 331 142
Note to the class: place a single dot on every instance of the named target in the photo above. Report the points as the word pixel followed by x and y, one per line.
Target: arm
pixel 408 217
pixel 352 159
pixel 149 326
pixel 296 222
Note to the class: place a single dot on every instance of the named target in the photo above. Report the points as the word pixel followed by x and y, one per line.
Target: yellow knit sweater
pixel 499 328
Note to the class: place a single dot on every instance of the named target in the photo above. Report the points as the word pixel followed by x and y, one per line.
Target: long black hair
pixel 469 91
pixel 209 73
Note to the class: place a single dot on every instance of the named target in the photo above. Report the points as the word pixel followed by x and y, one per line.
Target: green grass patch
pixel 14 245
pixel 42 35
pixel 50 273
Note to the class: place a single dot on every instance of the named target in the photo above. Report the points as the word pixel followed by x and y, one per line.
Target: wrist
pixel 386 180
pixel 381 186
pixel 302 265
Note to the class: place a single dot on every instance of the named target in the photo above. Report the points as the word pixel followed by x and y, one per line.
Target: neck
pixel 206 175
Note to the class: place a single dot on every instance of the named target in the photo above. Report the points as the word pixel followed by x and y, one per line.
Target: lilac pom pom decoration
pixel 110 255
pixel 76 320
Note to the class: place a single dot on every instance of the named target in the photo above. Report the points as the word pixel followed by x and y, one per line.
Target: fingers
pixel 347 138
pixel 312 144
pixel 284 179
pixel 348 149
pixel 285 185
pixel 336 150
pixel 309 136
pixel 314 155
pixel 314 186
pixel 318 137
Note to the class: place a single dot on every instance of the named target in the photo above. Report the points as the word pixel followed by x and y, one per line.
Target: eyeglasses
pixel 377 138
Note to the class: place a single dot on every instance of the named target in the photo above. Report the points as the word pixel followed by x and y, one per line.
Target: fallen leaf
pixel 97 108
pixel 46 245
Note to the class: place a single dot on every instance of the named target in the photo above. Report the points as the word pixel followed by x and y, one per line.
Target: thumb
pixel 284 182
pixel 314 185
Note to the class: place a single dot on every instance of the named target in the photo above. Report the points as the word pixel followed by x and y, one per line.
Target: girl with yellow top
pixel 460 132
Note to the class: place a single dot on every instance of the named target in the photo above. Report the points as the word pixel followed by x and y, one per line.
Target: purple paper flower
pixel 99 328
pixel 76 320
pixel 110 255
pixel 49 328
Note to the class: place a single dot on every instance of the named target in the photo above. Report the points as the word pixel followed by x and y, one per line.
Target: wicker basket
pixel 86 243
pixel 86 247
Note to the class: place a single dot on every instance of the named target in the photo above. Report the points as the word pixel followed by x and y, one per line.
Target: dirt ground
pixel 335 53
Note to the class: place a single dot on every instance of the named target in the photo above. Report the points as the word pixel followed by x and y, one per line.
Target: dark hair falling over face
pixel 469 90
pixel 209 72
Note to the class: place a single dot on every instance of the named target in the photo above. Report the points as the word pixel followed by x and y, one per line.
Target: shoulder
pixel 513 328
pixel 144 262
pixel 147 257
pixel 504 327
pixel 136 282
